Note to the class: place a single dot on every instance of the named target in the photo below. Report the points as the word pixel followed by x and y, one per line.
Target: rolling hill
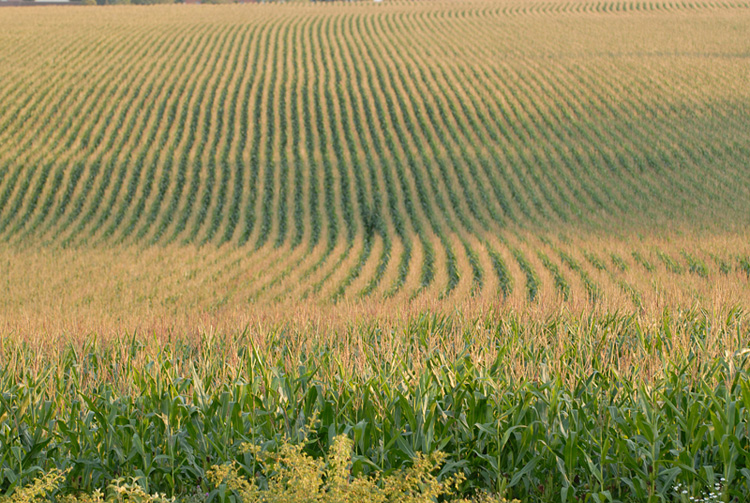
pixel 352 151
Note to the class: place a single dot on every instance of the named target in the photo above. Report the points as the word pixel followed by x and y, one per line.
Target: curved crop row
pixel 399 150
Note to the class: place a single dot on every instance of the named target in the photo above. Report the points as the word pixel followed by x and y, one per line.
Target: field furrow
pixel 389 153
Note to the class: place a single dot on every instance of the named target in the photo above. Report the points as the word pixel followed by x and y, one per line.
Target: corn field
pixel 604 408
pixel 508 234
pixel 366 152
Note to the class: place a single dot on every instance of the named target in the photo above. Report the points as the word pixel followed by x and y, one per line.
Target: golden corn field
pixel 511 236
pixel 367 152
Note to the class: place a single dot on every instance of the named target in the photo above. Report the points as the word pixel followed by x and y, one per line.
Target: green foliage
pixel 503 273
pixel 619 263
pixel 634 295
pixel 111 410
pixel 696 265
pixel 723 265
pixel 560 283
pixel 744 266
pixel 595 261
pixel 593 291
pixel 670 263
pixel 640 259
pixel 532 280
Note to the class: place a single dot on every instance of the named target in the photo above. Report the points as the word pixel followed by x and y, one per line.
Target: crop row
pixel 320 137
pixel 591 424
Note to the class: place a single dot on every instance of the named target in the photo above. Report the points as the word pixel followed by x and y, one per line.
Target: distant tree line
pixel 149 2
pixel 126 2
